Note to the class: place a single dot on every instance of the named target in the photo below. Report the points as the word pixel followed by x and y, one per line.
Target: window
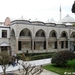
pixel 66 44
pixel 62 44
pixel 64 35
pixel 55 44
pixel 4 33
pixel 19 45
pixel 4 48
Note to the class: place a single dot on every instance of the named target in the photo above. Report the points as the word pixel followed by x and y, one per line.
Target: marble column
pixel 0 49
pixel 33 45
pixel 64 44
pixel 46 45
pixel 68 44
pixel 16 51
pixel 58 44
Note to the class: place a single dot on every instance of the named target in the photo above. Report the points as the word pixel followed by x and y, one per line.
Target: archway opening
pixel 24 42
pixel 40 40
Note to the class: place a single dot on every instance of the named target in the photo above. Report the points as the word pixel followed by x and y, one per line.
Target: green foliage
pixel 36 56
pixel 43 56
pixel 59 70
pixel 71 63
pixel 73 7
pixel 4 58
pixel 60 58
pixel 74 25
pixel 23 57
pixel 19 56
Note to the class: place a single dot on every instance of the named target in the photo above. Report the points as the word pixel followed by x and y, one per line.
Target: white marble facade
pixel 36 36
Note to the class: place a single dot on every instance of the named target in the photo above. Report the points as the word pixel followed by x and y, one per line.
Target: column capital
pixel 33 37
pixel 46 37
pixel 57 39
pixel 17 37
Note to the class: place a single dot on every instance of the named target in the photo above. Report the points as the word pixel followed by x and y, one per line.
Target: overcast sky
pixel 32 9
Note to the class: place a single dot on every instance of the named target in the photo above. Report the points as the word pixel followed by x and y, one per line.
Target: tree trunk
pixel 4 71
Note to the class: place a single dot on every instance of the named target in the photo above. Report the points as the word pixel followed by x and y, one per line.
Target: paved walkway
pixel 35 62
pixel 45 72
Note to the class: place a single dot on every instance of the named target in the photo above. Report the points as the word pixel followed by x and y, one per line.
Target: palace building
pixel 36 36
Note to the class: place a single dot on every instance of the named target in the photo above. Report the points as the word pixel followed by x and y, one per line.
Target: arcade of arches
pixel 39 43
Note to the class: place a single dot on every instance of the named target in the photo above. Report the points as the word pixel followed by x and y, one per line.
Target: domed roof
pixel 51 21
pixel 36 21
pixel 68 24
pixel 20 19
pixel 67 19
pixel 59 22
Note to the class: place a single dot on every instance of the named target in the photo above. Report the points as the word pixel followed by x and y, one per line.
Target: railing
pixel 63 39
pixel 52 38
pixel 24 37
pixel 40 38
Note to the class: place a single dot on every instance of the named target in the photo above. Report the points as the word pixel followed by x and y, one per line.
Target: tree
pixel 4 60
pixel 73 7
pixel 73 25
pixel 61 58
pixel 27 69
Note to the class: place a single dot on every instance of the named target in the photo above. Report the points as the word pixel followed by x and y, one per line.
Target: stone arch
pixel 72 35
pixel 25 32
pixel 40 33
pixel 64 34
pixel 13 33
pixel 53 33
pixel 40 40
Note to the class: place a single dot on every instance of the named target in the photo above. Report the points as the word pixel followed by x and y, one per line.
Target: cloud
pixel 42 9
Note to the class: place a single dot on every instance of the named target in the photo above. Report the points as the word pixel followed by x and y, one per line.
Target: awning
pixel 4 44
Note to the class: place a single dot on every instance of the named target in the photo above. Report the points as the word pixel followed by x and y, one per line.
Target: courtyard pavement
pixel 35 62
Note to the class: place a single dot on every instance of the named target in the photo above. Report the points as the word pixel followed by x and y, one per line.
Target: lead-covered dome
pixel 67 19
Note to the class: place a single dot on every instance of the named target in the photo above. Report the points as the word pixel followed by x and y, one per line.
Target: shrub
pixel 19 56
pixel 22 57
pixel 36 56
pixel 60 58
pixel 43 56
pixel 71 63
